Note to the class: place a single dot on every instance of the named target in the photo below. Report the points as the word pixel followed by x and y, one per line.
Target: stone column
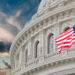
pixel 41 46
pixel 20 56
pixel 17 60
pixel 30 50
pixel 23 56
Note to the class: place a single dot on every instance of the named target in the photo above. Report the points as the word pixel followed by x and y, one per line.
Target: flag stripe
pixel 66 43
pixel 64 33
pixel 64 36
pixel 66 39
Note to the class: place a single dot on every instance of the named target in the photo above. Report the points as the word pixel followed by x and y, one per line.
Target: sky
pixel 13 16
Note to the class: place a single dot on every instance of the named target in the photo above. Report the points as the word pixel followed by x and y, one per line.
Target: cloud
pixel 12 21
pixel 2 15
pixel 12 29
pixel 34 2
pixel 4 46
pixel 6 35
pixel 4 54
pixel 18 13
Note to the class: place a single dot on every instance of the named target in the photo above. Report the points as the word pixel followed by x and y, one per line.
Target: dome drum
pixel 34 51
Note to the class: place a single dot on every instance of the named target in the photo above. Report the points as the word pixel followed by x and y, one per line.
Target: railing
pixel 49 57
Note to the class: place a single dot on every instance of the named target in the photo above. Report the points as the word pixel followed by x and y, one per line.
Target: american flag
pixel 66 39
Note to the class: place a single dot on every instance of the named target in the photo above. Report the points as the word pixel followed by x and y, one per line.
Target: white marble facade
pixel 34 50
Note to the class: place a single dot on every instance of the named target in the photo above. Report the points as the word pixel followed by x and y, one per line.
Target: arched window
pixel 26 55
pixel 50 43
pixel 36 48
pixel 66 28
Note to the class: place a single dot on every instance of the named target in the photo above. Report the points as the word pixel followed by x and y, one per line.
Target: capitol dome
pixel 34 51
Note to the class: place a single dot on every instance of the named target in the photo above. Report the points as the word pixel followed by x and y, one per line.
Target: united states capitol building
pixel 34 51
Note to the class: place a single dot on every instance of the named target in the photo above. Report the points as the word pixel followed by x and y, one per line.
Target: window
pixel 66 28
pixel 50 43
pixel 36 48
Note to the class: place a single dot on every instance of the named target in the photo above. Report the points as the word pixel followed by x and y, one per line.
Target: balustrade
pixel 52 57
